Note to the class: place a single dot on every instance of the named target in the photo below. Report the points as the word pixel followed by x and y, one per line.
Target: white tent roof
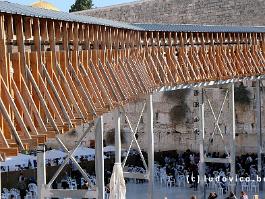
pixel 109 148
pixel 20 159
pixel 54 154
pixel 117 183
pixel 84 151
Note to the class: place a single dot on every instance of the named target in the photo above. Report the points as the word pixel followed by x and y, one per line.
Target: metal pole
pixel 100 158
pixel 202 134
pixel 259 132
pixel 0 179
pixel 118 137
pixel 232 138
pixel 150 137
pixel 41 170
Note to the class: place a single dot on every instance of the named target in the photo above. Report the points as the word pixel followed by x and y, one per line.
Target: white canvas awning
pixel 22 160
pixel 109 148
pixel 54 154
pixel 84 151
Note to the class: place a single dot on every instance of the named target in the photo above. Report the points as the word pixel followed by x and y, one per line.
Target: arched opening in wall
pixel 110 137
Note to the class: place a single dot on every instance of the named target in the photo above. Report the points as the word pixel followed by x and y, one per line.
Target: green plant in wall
pixel 179 111
pixel 242 94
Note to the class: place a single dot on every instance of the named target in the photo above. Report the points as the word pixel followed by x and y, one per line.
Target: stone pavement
pixel 139 191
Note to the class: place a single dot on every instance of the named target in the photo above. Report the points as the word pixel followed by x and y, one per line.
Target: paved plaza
pixel 139 191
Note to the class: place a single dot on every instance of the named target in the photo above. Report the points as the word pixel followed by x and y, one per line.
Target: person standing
pixel 22 187
pixel 243 195
pixel 231 196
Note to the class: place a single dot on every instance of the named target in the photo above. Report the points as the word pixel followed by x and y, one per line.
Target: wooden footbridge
pixel 60 70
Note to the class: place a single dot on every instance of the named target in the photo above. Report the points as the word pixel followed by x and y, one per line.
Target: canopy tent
pixel 117 183
pixel 109 148
pixel 21 160
pixel 84 151
pixel 54 154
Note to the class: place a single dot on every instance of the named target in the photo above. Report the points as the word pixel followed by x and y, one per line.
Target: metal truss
pixel 203 157
pixel 45 190
pixel 134 139
pixel 149 174
pixel 216 120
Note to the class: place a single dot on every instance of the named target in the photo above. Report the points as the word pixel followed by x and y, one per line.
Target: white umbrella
pixel 109 149
pixel 117 183
pixel 84 151
pixel 19 160
pixel 54 154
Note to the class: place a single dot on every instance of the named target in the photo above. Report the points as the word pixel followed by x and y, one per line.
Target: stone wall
pixel 181 137
pixel 217 12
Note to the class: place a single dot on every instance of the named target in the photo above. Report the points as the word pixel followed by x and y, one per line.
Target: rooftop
pixel 13 8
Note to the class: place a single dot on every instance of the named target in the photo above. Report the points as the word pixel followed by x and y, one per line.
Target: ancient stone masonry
pixel 225 12
pixel 217 12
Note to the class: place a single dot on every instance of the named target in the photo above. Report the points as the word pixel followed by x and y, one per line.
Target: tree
pixel 81 5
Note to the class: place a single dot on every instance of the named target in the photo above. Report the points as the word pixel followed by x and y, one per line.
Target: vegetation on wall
pixel 177 95
pixel 178 112
pixel 80 5
pixel 242 94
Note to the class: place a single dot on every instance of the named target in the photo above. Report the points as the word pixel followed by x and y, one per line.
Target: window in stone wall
pixel 142 120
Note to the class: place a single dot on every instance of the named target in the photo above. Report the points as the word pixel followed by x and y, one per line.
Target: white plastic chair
pixel 29 195
pixel 73 184
pixel 33 189
pixel 15 193
pixel 245 186
pixel 5 195
pixel 254 186
pixel 181 180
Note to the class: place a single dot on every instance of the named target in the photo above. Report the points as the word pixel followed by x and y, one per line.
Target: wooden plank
pixel 9 151
pixel 76 91
pixel 101 85
pixel 116 80
pixel 28 27
pixel 10 29
pixel 4 70
pixel 50 101
pixel 90 85
pixel 3 139
pixel 69 91
pixel 108 81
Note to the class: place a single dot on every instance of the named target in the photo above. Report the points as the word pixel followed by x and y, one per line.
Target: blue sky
pixel 64 5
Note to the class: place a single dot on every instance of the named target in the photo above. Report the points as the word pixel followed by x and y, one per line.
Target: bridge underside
pixel 57 74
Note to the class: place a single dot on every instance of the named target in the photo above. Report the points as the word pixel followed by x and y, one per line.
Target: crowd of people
pixel 23 183
pixel 213 195
pixel 188 160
